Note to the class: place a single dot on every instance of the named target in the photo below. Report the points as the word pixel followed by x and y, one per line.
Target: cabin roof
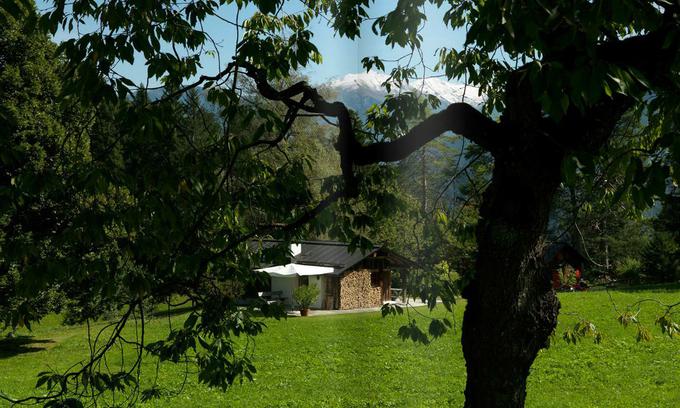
pixel 337 255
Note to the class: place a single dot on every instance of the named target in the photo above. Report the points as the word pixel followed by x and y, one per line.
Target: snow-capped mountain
pixel 360 91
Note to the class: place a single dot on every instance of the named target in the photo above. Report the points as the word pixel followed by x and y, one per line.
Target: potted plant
pixel 304 296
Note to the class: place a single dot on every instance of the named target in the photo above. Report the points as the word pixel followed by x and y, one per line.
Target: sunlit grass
pixel 358 360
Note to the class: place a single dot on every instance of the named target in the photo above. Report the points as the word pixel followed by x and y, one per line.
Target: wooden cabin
pixel 346 279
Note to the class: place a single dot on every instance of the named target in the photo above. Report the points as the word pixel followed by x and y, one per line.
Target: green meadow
pixel 357 360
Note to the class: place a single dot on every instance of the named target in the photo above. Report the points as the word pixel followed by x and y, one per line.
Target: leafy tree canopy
pixel 162 210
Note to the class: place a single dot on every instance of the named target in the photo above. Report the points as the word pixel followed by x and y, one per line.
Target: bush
pixel 305 295
pixel 661 261
pixel 629 269
pixel 19 311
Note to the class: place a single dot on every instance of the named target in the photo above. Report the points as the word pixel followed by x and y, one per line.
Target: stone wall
pixel 357 292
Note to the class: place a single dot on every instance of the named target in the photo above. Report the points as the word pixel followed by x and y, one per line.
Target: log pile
pixel 357 292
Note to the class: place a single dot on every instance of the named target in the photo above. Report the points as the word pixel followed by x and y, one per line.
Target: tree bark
pixel 512 309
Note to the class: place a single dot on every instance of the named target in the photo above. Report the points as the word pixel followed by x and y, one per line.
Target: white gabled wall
pixel 320 282
pixel 286 285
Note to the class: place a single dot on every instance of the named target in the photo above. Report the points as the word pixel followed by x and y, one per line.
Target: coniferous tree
pixel 662 255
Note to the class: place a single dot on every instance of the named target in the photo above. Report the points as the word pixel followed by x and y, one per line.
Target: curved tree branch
pixel 650 54
pixel 459 118
pixel 304 218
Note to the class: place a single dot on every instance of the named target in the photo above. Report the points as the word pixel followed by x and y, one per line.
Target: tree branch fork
pixel 460 118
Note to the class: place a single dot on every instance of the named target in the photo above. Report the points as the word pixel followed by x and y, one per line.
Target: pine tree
pixel 662 256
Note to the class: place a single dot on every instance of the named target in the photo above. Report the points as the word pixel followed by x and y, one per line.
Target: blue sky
pixel 340 55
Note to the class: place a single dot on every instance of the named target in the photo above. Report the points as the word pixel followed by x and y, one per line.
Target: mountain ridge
pixel 360 91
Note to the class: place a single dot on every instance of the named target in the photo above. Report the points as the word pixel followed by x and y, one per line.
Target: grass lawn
pixel 356 360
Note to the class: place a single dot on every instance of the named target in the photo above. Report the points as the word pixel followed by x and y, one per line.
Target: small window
pixel 375 279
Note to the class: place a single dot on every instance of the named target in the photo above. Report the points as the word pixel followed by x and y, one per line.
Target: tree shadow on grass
pixel 163 312
pixel 174 311
pixel 10 347
pixel 651 287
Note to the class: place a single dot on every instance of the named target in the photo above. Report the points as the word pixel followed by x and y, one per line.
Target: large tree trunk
pixel 511 309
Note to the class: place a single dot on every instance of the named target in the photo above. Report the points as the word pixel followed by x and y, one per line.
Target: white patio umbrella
pixel 296 270
pixel 278 270
pixel 309 270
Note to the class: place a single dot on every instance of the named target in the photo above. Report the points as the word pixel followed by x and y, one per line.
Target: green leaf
pixel 569 170
pixel 191 320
